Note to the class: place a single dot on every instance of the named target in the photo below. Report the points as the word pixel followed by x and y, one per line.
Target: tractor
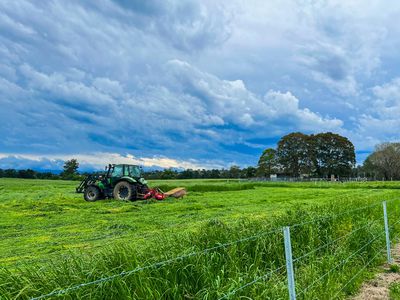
pixel 122 182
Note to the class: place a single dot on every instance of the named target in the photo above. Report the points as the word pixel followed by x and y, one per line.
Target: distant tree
pixel 332 154
pixel 10 173
pixel 248 172
pixel 234 172
pixel 215 173
pixel 28 174
pixel 1 173
pixel 186 174
pixel 169 174
pixel 267 163
pixel 384 162
pixel 294 154
pixel 358 171
pixel 70 169
pixel 47 175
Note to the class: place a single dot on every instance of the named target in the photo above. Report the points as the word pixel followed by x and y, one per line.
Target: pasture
pixel 52 239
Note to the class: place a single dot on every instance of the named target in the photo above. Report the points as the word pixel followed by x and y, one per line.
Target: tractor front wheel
pixel 92 193
pixel 124 191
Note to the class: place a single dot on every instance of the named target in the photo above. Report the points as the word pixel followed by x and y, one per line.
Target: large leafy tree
pixel 267 164
pixel 384 162
pixel 294 154
pixel 70 169
pixel 333 154
pixel 323 154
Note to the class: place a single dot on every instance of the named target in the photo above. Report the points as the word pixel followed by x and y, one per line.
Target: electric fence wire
pixel 165 262
pixel 294 225
pixel 226 296
pixel 357 274
pixel 360 271
pixel 297 259
pixel 155 265
pixel 342 262
pixel 332 242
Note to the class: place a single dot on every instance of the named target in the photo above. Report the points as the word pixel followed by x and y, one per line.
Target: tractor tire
pixel 92 193
pixel 124 191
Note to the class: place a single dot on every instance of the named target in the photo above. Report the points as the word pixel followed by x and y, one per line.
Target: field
pixel 51 239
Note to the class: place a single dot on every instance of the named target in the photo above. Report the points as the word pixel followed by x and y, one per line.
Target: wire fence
pixel 82 241
pixel 293 290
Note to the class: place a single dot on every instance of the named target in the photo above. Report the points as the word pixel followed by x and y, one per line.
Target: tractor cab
pixel 124 170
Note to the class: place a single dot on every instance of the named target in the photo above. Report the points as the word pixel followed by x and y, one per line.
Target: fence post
pixel 289 264
pixel 389 257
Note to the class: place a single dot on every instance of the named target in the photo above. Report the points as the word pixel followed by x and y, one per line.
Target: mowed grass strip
pixel 41 217
pixel 40 226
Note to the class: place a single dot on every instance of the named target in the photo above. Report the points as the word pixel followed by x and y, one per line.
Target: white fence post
pixel 289 264
pixel 389 257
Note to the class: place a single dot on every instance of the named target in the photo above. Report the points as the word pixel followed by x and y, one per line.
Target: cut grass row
pixel 39 218
pixel 41 224
pixel 216 273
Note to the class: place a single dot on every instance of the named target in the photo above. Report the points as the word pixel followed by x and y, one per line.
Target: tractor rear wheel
pixel 124 191
pixel 92 193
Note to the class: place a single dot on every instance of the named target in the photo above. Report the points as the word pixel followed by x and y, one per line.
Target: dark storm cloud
pixel 212 81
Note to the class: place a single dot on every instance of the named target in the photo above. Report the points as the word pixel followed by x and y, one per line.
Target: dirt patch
pixel 378 288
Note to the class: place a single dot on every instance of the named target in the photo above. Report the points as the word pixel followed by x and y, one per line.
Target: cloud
pixel 97 161
pixel 382 118
pixel 232 102
pixel 195 109
pixel 186 25
pixel 196 80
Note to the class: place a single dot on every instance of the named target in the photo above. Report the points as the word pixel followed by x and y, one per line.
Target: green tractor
pixel 122 182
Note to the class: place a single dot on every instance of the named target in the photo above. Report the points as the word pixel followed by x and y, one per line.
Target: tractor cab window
pixel 117 172
pixel 133 171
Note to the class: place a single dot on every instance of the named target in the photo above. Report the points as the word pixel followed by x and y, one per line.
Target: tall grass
pixel 217 273
pixel 220 186
pixel 214 187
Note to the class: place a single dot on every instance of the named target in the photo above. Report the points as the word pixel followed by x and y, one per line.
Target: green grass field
pixel 51 238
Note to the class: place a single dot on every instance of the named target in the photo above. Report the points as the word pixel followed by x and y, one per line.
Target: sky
pixel 192 84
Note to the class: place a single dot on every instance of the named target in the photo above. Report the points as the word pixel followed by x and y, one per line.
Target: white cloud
pixel 191 79
pixel 98 160
pixel 233 103
pixel 382 118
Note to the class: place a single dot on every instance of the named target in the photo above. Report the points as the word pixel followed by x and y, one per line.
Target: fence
pixel 312 179
pixel 289 268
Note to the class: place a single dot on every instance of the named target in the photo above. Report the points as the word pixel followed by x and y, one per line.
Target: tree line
pixel 296 155
pixel 232 172
pixel 70 172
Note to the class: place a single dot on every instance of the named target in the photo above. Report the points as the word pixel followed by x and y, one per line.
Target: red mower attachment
pixel 158 194
pixel 155 193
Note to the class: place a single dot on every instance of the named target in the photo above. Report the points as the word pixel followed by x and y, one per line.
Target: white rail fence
pixel 291 261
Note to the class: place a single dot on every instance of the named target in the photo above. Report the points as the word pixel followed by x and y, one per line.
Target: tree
pixel 234 172
pixel 248 172
pixel 10 173
pixel 384 162
pixel 29 174
pixel 168 174
pixel 70 169
pixel 332 154
pixel 267 164
pixel 294 154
